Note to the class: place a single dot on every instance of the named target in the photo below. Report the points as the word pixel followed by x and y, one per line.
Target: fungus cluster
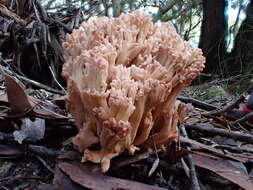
pixel 124 75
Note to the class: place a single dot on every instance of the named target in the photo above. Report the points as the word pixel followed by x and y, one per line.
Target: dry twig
pixel 228 107
pixel 8 13
pixel 210 149
pixel 32 82
pixel 43 151
pixel 243 119
pixel 197 103
pixel 222 132
pixel 194 179
pixel 235 149
pixel 45 164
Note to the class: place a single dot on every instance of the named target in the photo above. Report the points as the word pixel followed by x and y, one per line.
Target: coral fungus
pixel 124 75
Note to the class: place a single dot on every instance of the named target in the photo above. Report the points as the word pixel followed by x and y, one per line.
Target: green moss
pixel 212 93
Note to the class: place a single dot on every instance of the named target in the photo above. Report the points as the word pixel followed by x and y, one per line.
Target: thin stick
pixel 244 118
pixel 222 132
pixel 194 179
pixel 210 149
pixel 235 149
pixel 43 151
pixel 45 164
pixel 6 12
pixel 228 107
pixel 32 82
pixel 197 103
pixel 54 77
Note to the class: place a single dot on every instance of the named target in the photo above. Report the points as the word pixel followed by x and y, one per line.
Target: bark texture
pixel 213 32
pixel 241 57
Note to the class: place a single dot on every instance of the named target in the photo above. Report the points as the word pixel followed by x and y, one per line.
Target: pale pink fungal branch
pixel 124 75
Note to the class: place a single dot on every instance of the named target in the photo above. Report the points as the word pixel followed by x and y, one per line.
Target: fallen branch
pixel 197 103
pixel 8 13
pixel 35 149
pixel 43 151
pixel 228 107
pixel 222 132
pixel 210 149
pixel 243 119
pixel 235 149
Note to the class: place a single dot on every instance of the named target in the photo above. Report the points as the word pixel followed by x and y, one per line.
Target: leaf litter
pixel 36 129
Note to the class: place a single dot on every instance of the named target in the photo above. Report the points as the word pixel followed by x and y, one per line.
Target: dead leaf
pixel 83 175
pixel 17 97
pixel 62 182
pixel 45 187
pixel 231 170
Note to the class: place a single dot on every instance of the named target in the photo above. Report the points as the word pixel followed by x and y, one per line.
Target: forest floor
pixel 214 151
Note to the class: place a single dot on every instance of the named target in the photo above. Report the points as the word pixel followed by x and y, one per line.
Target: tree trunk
pixel 116 4
pixel 213 33
pixel 241 57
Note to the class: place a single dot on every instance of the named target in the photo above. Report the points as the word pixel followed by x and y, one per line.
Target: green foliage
pixel 186 18
pixel 214 92
pixel 185 15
